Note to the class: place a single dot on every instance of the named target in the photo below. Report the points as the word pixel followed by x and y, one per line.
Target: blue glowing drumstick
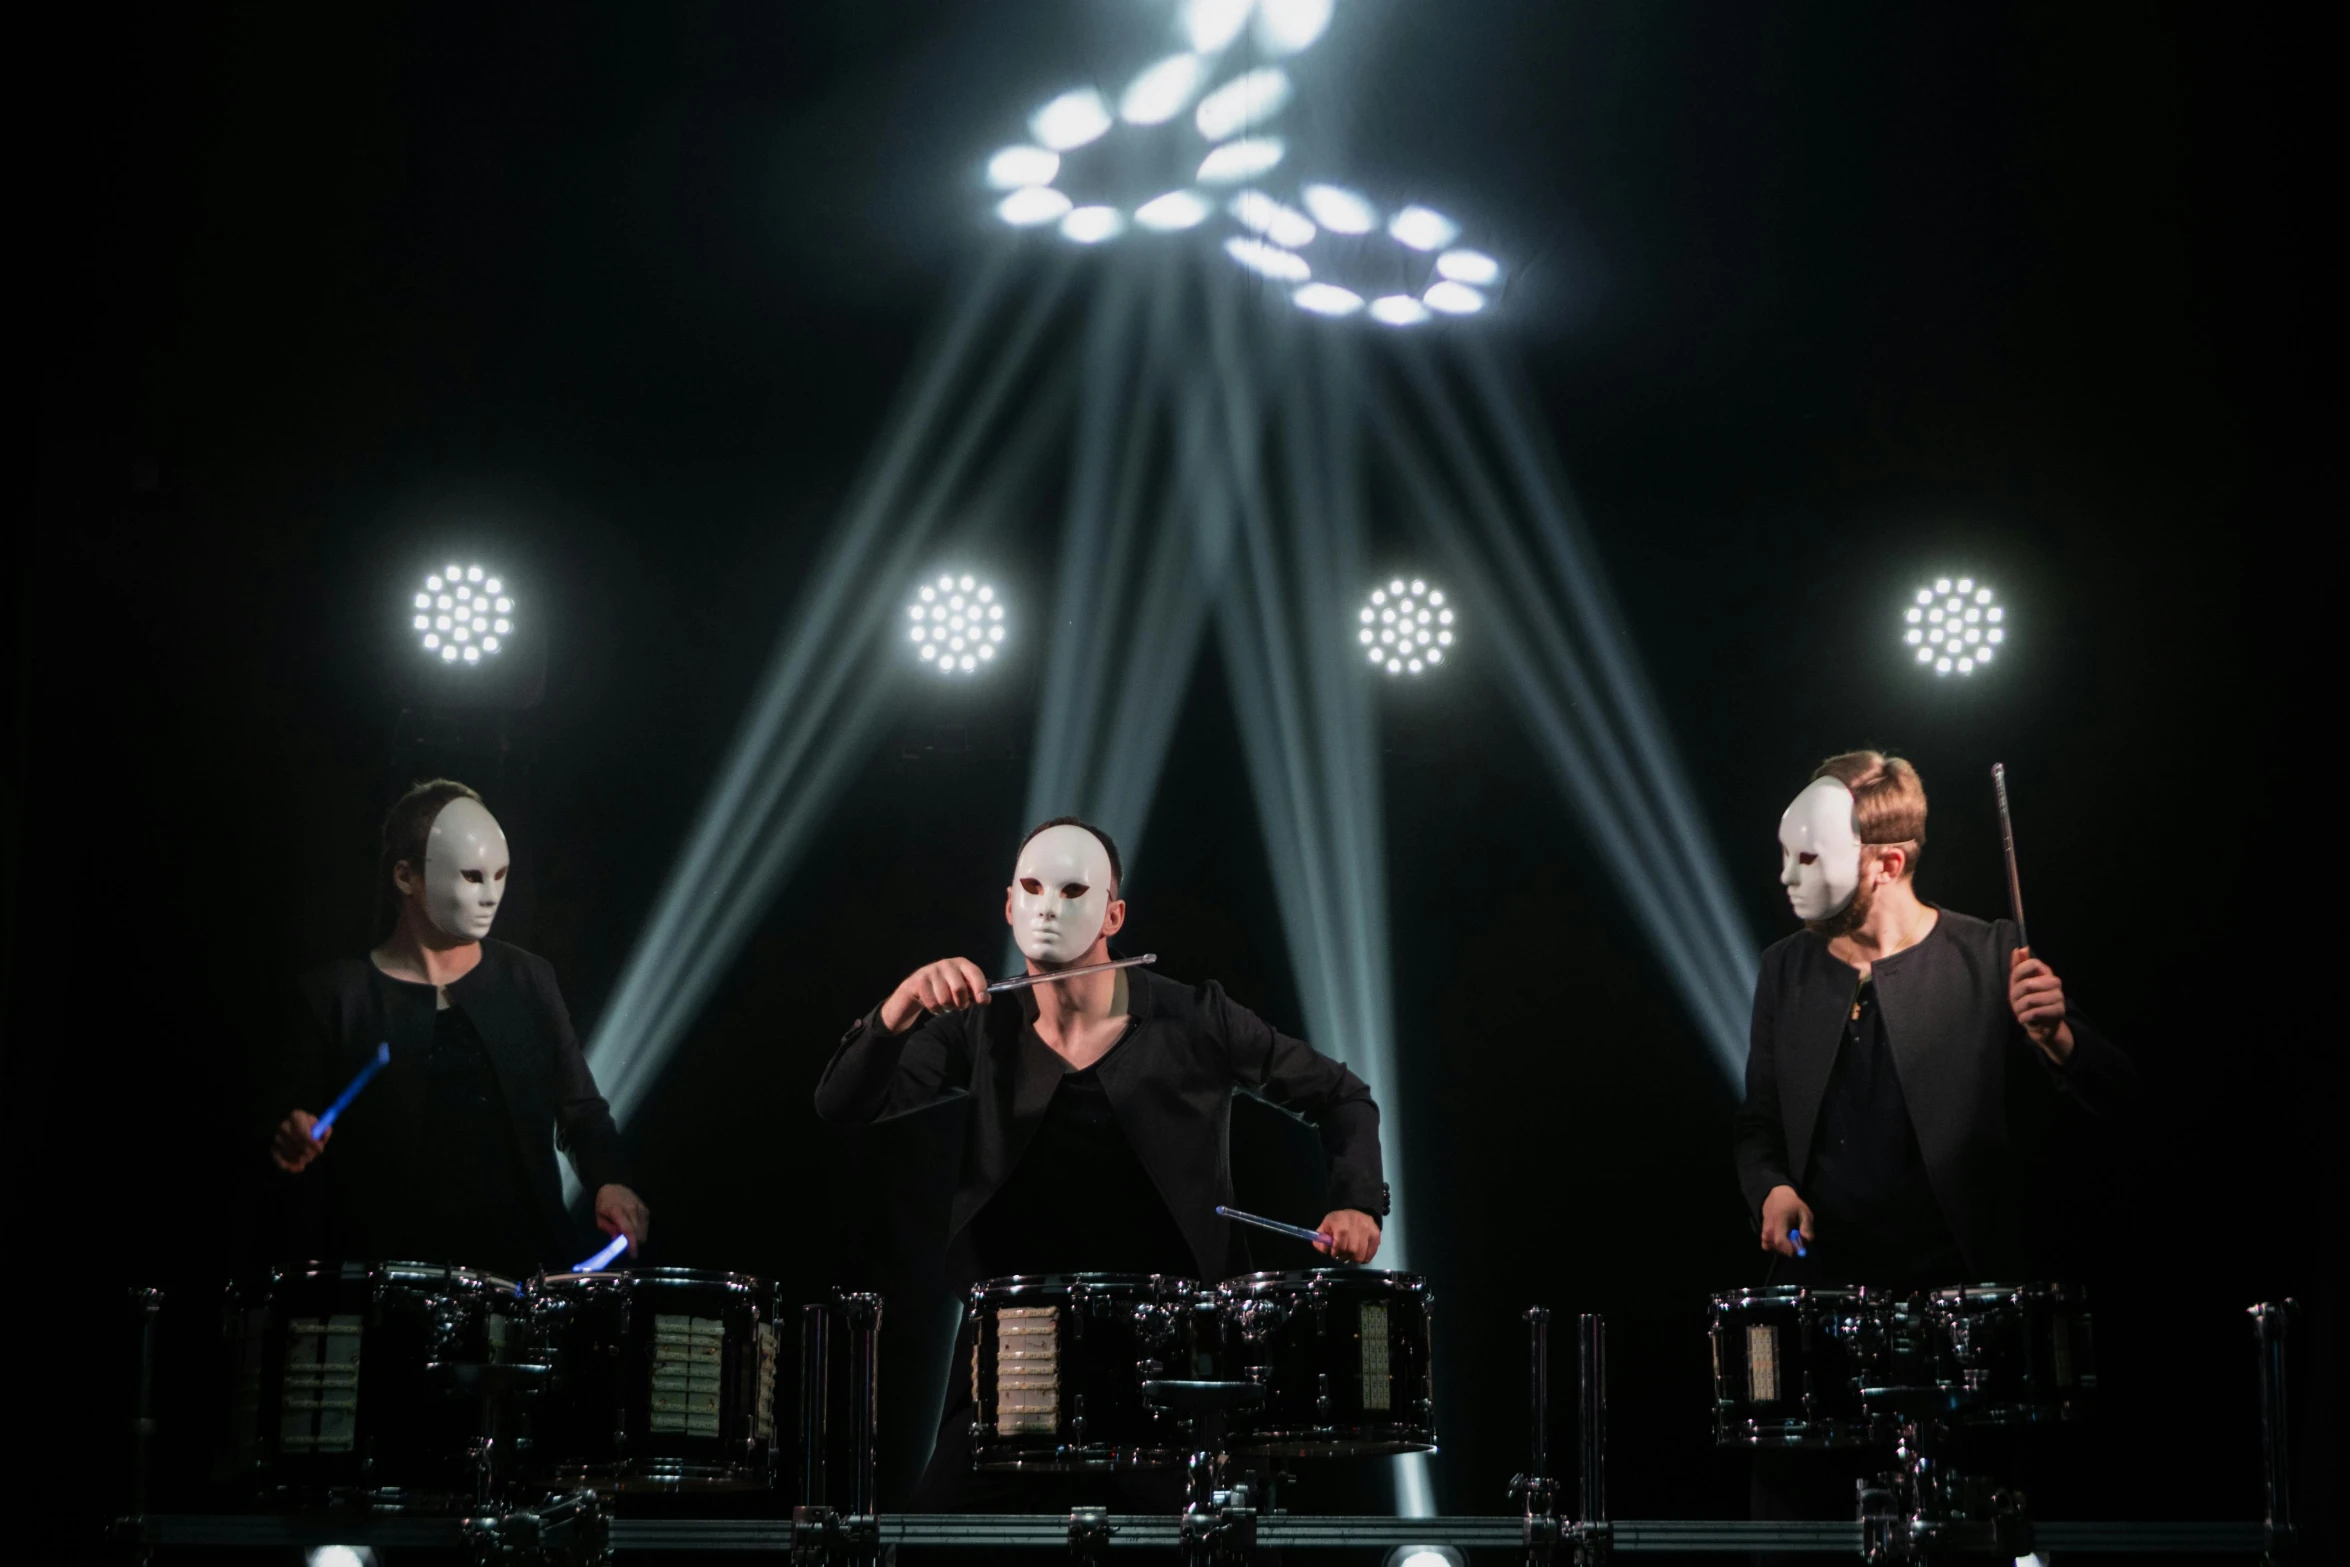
pixel 1296 1231
pixel 1797 1237
pixel 375 1064
pixel 603 1259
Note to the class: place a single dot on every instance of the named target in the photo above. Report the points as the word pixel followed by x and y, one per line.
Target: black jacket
pixel 1957 1047
pixel 1169 1082
pixel 373 1167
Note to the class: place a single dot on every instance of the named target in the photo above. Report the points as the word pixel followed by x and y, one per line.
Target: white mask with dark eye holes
pixel 1060 895
pixel 1819 851
pixel 465 864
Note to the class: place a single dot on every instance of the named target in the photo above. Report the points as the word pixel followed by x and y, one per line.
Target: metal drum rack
pixel 1221 1526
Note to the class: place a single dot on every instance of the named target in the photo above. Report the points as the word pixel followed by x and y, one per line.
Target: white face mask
pixel 1819 851
pixel 465 863
pixel 1060 894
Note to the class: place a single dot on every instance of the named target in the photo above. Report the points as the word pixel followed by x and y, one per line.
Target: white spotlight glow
pixel 339 1556
pixel 955 624
pixel 1283 225
pixel 1092 225
pixel 1268 260
pixel 1469 266
pixel 1454 299
pixel 1398 310
pixel 1160 92
pixel 1340 210
pixel 1953 627
pixel 1406 627
pixel 1327 299
pixel 1016 167
pixel 1071 120
pixel 1213 24
pixel 1241 160
pixel 1422 228
pixel 1027 208
pixel 460 622
pixel 1178 209
pixel 1246 100
pixel 1286 26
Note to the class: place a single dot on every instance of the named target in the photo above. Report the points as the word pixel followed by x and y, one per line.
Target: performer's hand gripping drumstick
pixel 301 1137
pixel 2034 993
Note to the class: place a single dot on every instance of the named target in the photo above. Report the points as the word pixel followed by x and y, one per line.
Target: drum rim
pixel 391 1269
pixel 1790 1294
pixel 1306 1278
pixel 1013 1282
pixel 750 1282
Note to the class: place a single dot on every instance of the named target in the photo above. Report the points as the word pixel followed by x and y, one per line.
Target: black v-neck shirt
pixel 1874 1214
pixel 1078 1200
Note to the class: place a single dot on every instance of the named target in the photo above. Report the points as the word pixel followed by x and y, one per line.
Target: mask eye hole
pixel 1031 886
pixel 1807 859
pixel 471 876
pixel 501 876
pixel 1075 889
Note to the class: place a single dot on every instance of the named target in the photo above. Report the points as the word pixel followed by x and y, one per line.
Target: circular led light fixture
pixel 1405 627
pixel 462 615
pixel 956 624
pixel 1954 626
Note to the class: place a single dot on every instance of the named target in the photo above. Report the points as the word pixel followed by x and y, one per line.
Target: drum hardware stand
pixel 1089 1535
pixel 1922 1510
pixel 1590 1537
pixel 2269 1321
pixel 567 1531
pixel 819 1532
pixel 1219 1522
pixel 129 1532
pixel 498 1386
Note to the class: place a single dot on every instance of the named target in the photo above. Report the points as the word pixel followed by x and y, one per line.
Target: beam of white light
pixel 1287 26
pixel 1178 209
pixel 1071 120
pixel 1016 167
pixel 1240 160
pixel 1398 310
pixel 1159 92
pixel 1454 299
pixel 1530 570
pixel 1473 267
pixel 1282 224
pixel 1340 210
pixel 1248 99
pixel 1035 205
pixel 1283 266
pixel 800 740
pixel 1327 299
pixel 1213 24
pixel 1092 225
pixel 1422 228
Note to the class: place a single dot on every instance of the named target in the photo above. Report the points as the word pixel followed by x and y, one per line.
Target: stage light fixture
pixel 1469 266
pixel 1268 260
pixel 1071 120
pixel 339 1556
pixel 956 624
pixel 1286 26
pixel 1283 225
pixel 1398 310
pixel 1092 225
pixel 1340 210
pixel 1954 626
pixel 1159 93
pixel 1424 1556
pixel 1248 99
pixel 1017 167
pixel 1423 228
pixel 1178 209
pixel 1327 299
pixel 1406 627
pixel 1213 24
pixel 1025 209
pixel 463 615
pixel 1454 299
pixel 1241 160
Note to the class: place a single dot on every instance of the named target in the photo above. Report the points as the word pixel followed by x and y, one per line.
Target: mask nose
pixel 1788 866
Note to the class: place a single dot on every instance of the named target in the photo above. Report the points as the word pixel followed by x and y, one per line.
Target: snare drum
pixel 664 1381
pixel 1058 1362
pixel 344 1385
pixel 1345 1358
pixel 1788 1363
pixel 2014 1354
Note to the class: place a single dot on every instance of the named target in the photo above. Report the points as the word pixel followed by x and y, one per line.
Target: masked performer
pixel 449 1155
pixel 1889 1036
pixel 1100 1108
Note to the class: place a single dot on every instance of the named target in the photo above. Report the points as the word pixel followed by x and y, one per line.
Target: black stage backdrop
pixel 1814 300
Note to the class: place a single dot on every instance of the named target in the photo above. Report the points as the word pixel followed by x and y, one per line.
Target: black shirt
pixel 477 1209
pixel 1873 1206
pixel 1078 1200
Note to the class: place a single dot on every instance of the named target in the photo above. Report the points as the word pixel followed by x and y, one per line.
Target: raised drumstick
pixel 2015 886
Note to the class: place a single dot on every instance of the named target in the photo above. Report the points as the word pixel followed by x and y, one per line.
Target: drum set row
pixel 1804 1367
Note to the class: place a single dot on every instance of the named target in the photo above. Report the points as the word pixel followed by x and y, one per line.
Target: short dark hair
pixel 1117 866
pixel 409 825
pixel 1888 799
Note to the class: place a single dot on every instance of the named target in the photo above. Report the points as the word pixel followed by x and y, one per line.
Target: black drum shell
pixel 1302 1335
pixel 613 1416
pixel 1806 1393
pixel 2013 1354
pixel 1111 1333
pixel 399 1434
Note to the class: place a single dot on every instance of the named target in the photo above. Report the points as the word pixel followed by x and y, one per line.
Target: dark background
pixel 1818 301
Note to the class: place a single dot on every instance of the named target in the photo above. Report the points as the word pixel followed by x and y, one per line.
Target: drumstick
pixel 1023 981
pixel 603 1259
pixel 375 1064
pixel 2015 887
pixel 1296 1231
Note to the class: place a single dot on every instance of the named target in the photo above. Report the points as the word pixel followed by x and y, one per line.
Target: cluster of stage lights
pixel 463 615
pixel 956 624
pixel 1233 119
pixel 1954 627
pixel 1406 628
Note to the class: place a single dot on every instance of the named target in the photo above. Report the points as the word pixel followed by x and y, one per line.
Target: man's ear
pixel 1114 917
pixel 1894 861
